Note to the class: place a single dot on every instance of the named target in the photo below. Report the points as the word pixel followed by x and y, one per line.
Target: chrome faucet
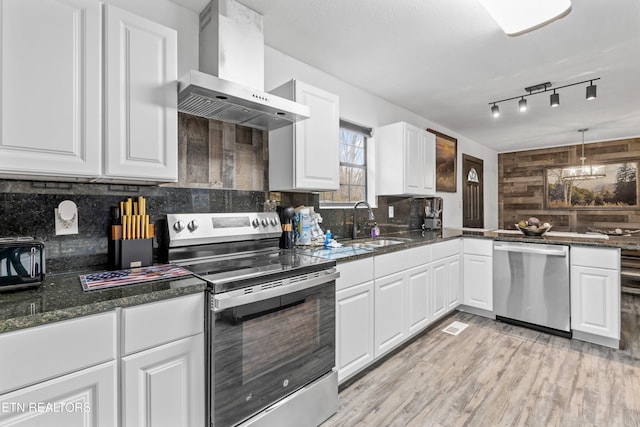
pixel 354 234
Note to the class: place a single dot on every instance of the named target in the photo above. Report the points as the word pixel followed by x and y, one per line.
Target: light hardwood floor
pixel 495 374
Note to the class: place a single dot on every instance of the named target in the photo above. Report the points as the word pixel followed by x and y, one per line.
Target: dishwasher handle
pixel 560 251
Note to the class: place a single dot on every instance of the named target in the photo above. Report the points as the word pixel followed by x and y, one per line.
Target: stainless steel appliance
pixel 22 263
pixel 271 319
pixel 229 86
pixel 531 285
pixel 432 213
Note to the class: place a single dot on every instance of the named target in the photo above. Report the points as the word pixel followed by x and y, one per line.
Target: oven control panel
pixel 201 228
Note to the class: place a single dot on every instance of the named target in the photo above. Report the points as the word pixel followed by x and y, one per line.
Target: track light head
pixel 555 99
pixel 495 111
pixel 591 90
pixel 522 105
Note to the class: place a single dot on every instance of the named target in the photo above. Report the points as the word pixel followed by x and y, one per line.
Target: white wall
pixel 356 105
pixel 366 109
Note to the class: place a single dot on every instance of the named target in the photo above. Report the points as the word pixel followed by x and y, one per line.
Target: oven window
pixel 275 339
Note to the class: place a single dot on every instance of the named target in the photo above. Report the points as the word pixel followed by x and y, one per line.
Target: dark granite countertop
pixel 61 297
pixel 413 238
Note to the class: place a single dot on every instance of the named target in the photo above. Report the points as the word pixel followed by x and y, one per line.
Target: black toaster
pixel 22 263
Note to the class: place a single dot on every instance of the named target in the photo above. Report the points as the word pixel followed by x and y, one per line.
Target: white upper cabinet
pixel 141 117
pixel 50 87
pixel 57 121
pixel 305 155
pixel 406 160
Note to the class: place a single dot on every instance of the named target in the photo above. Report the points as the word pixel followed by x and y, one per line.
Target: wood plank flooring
pixel 495 374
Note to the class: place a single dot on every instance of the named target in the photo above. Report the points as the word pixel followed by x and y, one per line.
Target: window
pixel 353 167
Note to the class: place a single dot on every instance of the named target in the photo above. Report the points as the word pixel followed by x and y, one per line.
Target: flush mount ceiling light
pixel 517 17
pixel 583 172
pixel 542 88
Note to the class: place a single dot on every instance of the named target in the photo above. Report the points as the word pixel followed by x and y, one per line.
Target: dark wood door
pixel 472 192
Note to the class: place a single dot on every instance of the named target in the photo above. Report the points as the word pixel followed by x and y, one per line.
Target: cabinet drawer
pixel 482 247
pixel 596 257
pixel 157 323
pixel 354 272
pixel 445 249
pixel 394 262
pixel 36 354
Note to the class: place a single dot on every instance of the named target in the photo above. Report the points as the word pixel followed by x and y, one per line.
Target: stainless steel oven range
pixel 271 319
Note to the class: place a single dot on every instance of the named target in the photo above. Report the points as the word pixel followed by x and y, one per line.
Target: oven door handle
pixel 227 300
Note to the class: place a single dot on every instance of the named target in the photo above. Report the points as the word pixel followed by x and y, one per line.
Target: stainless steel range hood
pixel 230 85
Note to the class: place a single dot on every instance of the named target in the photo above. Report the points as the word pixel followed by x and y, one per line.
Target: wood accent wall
pixel 521 187
pixel 215 154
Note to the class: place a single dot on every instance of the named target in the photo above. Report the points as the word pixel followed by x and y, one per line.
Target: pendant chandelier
pixel 583 172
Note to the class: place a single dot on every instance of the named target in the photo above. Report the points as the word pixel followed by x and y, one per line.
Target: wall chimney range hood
pixel 230 85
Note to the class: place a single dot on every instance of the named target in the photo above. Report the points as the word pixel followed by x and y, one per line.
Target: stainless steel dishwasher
pixel 531 286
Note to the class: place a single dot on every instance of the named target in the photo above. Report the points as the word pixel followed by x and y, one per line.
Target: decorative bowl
pixel 527 231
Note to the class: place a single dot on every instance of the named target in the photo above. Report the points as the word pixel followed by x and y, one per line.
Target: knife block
pixel 125 254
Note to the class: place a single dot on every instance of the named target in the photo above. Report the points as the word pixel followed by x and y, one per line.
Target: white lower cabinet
pixel 65 374
pixel 439 293
pixel 402 296
pixel 595 295
pixel 418 310
pixel 163 368
pixel 354 317
pixel 164 386
pixel 389 312
pixel 446 292
pixel 87 398
pixel 477 274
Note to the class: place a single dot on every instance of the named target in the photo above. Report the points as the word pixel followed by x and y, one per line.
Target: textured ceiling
pixel 446 60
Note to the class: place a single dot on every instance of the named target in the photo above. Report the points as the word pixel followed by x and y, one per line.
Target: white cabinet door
pixel 354 329
pixel 439 286
pixel 454 284
pixel 317 156
pixel 414 160
pixel 429 163
pixel 418 298
pixel 406 160
pixel 164 386
pixel 595 301
pixel 478 281
pixel 50 86
pixel 85 398
pixel 306 155
pixel 141 91
pixel 389 313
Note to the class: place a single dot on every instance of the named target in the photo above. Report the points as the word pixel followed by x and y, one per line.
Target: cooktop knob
pixel 255 222
pixel 193 225
pixel 178 226
pixel 273 222
pixel 264 222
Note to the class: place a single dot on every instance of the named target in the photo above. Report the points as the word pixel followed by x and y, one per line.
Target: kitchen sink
pixel 378 243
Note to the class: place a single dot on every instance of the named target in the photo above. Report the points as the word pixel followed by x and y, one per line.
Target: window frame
pixel 368 167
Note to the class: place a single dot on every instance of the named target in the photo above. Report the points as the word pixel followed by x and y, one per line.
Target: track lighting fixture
pixel 522 105
pixel 591 90
pixel 554 99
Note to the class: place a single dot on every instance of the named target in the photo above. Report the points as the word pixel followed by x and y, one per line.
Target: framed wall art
pixel 612 185
pixel 446 162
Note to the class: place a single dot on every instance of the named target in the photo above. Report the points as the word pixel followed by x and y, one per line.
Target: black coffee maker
pixel 287 219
